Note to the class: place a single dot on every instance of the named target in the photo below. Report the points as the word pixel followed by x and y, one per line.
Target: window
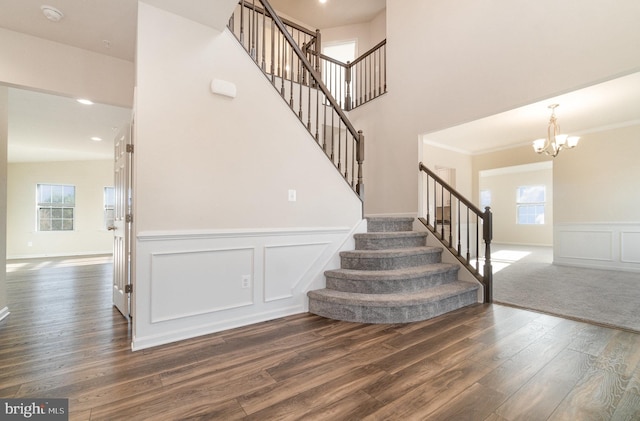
pixel 56 207
pixel 485 198
pixel 109 206
pixel 530 203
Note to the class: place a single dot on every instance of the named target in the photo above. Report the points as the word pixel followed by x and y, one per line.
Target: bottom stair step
pixel 392 308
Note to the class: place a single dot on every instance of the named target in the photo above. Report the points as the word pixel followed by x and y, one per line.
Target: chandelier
pixel 555 142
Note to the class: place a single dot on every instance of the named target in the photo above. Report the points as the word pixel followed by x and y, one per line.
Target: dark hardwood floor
pixel 63 339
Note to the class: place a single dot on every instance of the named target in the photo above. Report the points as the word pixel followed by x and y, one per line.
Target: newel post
pixel 347 88
pixel 487 236
pixel 360 160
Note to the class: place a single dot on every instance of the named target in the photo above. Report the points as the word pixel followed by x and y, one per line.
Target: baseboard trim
pixel 45 255
pixel 151 341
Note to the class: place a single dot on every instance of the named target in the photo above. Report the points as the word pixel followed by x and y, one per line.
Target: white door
pixel 121 227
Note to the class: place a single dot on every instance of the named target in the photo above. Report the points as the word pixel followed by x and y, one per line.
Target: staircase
pixel 391 277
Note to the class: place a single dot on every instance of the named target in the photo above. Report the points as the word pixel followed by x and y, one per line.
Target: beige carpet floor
pixel 525 277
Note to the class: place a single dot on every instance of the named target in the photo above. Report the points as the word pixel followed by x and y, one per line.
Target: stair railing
pixel 358 82
pixel 452 218
pixel 276 49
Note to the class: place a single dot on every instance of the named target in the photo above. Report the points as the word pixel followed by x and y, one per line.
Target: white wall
pixel 597 201
pixel 503 183
pixel 454 62
pixel 89 235
pixel 218 243
pixel 4 130
pixel 48 66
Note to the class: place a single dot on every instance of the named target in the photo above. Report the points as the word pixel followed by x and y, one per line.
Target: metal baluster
pixel 450 224
pixel 317 110
pixel 291 75
pixel 309 103
pixel 242 22
pixel 332 137
pixel 324 126
pixel 375 94
pixel 339 144
pixel 385 67
pixel 273 53
pixel 428 202
pixel 254 38
pixel 459 224
pixel 477 243
pixel 468 237
pixel 441 211
pixel 264 42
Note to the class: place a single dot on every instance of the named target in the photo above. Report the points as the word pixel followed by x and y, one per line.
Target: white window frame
pixel 534 208
pixel 109 205
pixel 55 208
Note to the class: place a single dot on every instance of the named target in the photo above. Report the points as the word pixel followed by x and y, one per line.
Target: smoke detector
pixel 51 13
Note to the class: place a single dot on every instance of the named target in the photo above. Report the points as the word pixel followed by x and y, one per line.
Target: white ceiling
pixel 333 13
pixel 45 127
pixel 88 23
pixel 610 104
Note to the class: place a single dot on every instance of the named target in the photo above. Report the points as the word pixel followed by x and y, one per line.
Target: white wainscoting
pixel 189 284
pixel 614 246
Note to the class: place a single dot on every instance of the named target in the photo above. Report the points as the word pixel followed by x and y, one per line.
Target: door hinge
pixel 128 288
pixel 130 148
pixel 128 218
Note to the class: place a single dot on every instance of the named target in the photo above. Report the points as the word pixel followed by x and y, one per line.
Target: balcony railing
pixel 282 50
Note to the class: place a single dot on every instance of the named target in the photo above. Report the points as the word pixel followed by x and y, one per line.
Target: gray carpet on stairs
pixel 525 277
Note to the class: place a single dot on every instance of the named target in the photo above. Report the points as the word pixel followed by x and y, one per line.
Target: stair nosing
pixel 432 294
pixel 392 274
pixel 407 251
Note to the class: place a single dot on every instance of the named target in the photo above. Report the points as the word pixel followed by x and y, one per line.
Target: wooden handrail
pixel 309 67
pixel 284 53
pixel 456 198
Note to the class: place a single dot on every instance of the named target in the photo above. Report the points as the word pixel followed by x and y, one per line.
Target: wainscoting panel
pixel 188 284
pixel 587 245
pixel 630 245
pixel 285 267
pixel 614 246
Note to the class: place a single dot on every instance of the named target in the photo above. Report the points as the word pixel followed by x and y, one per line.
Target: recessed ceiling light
pixel 51 13
pixel 323 1
pixel 96 139
pixel 84 101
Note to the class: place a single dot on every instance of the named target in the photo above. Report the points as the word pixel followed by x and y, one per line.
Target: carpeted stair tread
pixel 373 254
pixel 388 234
pixel 392 274
pixel 436 293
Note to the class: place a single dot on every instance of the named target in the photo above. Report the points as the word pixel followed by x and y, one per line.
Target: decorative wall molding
pixel 194 283
pixel 613 246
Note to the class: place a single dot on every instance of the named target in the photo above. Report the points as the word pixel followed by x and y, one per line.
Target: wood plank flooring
pixel 64 339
